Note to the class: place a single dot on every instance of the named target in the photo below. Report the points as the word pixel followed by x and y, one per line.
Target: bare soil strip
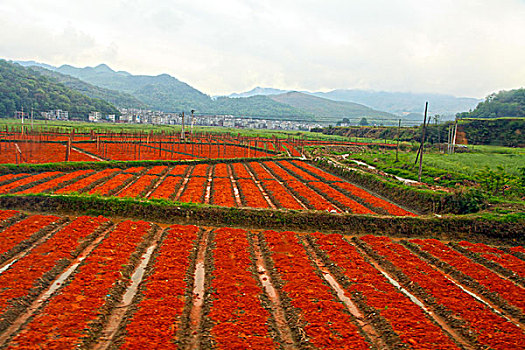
pixel 54 287
pixel 370 331
pixel 428 309
pixel 207 194
pixel 115 319
pixel 277 309
pixel 258 184
pixel 236 193
pixel 198 294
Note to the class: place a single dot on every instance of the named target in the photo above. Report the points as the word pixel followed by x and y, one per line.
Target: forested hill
pixel 504 104
pixel 166 93
pixel 119 99
pixel 24 87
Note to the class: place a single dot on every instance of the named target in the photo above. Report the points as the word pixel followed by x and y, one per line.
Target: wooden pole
pixel 422 145
pixel 397 148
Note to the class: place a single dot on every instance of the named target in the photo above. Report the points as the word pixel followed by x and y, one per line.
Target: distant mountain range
pixel 405 104
pixel 166 93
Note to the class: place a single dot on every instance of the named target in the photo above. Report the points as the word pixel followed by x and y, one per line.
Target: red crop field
pixel 267 185
pixel 87 282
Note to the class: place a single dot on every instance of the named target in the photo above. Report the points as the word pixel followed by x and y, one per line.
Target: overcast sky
pixel 459 47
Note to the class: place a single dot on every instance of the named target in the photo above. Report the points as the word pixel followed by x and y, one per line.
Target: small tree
pixel 363 122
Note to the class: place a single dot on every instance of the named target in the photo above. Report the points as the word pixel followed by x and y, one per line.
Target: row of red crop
pixel 240 172
pixel 157 320
pixel 36 153
pixel 326 322
pixel 486 327
pixel 251 194
pixel 23 230
pixel 167 188
pixel 49 185
pixel 222 192
pixel 509 291
pixel 379 293
pixel 7 214
pixel 23 281
pixel 57 326
pixel 111 185
pixel 88 181
pixel 221 170
pixel 497 256
pixel 26 180
pixel 300 189
pixel 138 187
pixel 340 184
pixel 194 190
pixel 239 320
pixel 279 195
pixel 10 177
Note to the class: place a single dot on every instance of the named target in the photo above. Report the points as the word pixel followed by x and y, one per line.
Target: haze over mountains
pixel 399 103
pixel 166 93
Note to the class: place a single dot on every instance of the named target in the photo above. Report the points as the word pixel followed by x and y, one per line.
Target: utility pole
pixel 182 135
pixel 422 134
pixel 192 121
pixel 422 145
pixel 397 148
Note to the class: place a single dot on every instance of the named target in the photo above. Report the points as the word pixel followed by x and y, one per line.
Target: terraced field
pixel 282 184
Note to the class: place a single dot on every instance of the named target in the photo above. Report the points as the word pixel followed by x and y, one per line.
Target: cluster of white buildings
pixel 129 115
pixel 56 114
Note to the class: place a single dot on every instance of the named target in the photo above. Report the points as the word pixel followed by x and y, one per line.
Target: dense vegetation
pixel 119 99
pixel 510 104
pixel 23 87
pixel 499 132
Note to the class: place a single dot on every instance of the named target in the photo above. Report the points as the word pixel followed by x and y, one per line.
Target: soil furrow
pixel 285 333
pixel 199 291
pixel 358 315
pixel 58 283
pixel 115 319
pixel 428 309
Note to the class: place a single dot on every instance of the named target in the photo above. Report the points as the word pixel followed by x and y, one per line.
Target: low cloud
pixel 466 47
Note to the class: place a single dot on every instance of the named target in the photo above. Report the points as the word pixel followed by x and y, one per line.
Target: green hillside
pixel 24 87
pixel 162 92
pixel 328 110
pixel 504 104
pixel 119 99
pixel 166 93
pixel 263 107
